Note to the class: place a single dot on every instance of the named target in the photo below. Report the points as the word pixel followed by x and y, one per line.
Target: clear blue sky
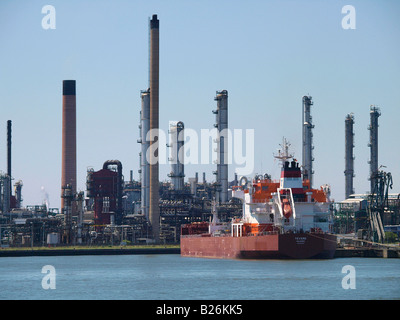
pixel 267 54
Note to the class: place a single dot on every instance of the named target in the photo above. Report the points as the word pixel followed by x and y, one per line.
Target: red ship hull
pixel 274 246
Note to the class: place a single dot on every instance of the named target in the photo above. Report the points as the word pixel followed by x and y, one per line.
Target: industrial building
pixel 367 216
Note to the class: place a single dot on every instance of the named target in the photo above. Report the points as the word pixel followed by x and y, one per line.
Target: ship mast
pixel 283 155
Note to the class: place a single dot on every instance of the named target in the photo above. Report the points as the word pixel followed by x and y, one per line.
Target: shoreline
pixel 174 249
pixel 79 251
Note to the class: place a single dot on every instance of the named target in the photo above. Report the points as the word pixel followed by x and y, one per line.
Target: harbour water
pixel 172 277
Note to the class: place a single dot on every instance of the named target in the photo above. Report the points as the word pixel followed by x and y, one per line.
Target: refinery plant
pixel 119 211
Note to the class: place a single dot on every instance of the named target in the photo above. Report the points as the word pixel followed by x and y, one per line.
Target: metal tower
pixel 145 144
pixel 222 144
pixel 373 144
pixel 307 140
pixel 177 175
pixel 349 157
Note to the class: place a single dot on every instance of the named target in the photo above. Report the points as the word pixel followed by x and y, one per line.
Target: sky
pixel 266 54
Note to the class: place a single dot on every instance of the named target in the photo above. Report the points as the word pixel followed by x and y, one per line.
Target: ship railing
pixel 313 230
pixel 259 201
pixel 264 233
pixel 312 201
pixel 194 235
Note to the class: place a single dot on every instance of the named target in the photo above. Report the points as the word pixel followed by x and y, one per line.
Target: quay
pixel 79 251
pixel 362 252
pixel 354 252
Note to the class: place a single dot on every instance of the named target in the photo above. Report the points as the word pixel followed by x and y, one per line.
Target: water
pixel 166 277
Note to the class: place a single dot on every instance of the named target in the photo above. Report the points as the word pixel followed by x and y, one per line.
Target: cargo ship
pixel 284 219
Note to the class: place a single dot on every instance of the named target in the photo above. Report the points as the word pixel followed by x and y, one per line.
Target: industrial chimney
pixel 154 209
pixel 9 153
pixel 68 173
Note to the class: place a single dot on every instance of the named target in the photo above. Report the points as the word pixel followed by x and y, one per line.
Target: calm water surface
pixel 165 277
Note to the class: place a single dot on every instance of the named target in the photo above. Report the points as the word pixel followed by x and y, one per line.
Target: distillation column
pixel 349 157
pixel 307 140
pixel 145 143
pixel 154 209
pixel 18 193
pixel 373 144
pixel 222 145
pixel 177 175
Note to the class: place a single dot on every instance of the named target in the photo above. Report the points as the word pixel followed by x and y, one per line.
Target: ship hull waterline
pixel 274 246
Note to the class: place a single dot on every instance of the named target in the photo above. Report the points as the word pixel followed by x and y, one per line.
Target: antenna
pixel 284 154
